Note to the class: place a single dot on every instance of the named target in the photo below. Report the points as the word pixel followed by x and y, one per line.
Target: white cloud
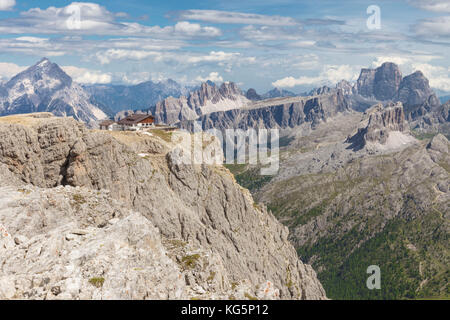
pixel 92 18
pixel 6 5
pixel 213 76
pixel 122 54
pixel 32 39
pixel 136 77
pixel 290 82
pixel 432 5
pixel 404 61
pixel 439 26
pixel 270 33
pixel 395 59
pixel 193 29
pixel 331 74
pixel 220 58
pixel 214 56
pixel 86 76
pixel 9 70
pixel 437 75
pixel 217 16
pixel 306 62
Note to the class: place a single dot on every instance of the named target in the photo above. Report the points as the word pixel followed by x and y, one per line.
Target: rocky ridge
pixel 208 98
pixel 213 241
pixel 382 127
pixel 277 114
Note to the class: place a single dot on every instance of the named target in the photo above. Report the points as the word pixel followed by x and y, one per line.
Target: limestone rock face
pixel 251 94
pixel 416 94
pixel 387 81
pixel 346 87
pixel 365 82
pixel 414 89
pixel 421 105
pixel 382 82
pixel 439 143
pixel 208 98
pixel 202 214
pixel 383 125
pixel 278 114
pixel 73 243
pixel 384 120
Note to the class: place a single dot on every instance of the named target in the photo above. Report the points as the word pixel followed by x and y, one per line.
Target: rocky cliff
pixel 276 114
pixel 382 127
pixel 417 96
pixel 386 83
pixel 382 82
pixel 347 208
pixel 208 98
pixel 79 207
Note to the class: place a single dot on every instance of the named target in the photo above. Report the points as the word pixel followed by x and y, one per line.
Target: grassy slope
pixel 411 248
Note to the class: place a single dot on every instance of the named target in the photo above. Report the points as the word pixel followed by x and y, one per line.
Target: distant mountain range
pixel 140 96
pixel 46 87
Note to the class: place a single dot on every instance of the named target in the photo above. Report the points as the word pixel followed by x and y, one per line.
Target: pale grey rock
pixel 383 126
pixel 381 83
pixel 415 91
pixel 346 87
pixel 208 98
pixel 439 143
pixel 271 115
pixel 198 204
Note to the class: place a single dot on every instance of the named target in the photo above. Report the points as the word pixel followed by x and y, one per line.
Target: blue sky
pixel 296 45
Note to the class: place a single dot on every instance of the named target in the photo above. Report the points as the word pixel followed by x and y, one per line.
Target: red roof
pixel 135 119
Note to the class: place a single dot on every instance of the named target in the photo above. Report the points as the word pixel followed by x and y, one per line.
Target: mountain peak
pixel 44 68
pixel 46 87
pixel 277 92
pixel 381 83
pixel 44 61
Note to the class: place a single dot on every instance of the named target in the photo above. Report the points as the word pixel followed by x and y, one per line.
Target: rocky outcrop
pixel 387 81
pixel 346 87
pixel 416 94
pixel 208 98
pixel 386 84
pixel 383 125
pixel 252 95
pixel 381 83
pixel 209 226
pixel 321 90
pixel 365 82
